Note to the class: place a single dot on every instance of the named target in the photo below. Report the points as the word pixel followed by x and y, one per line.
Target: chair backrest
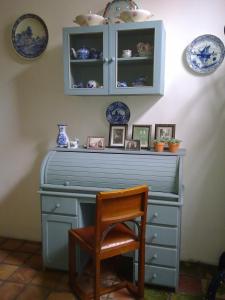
pixel 119 206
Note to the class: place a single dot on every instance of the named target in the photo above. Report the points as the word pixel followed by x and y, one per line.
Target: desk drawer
pixel 158 235
pixel 59 205
pixel 159 276
pixel 164 215
pixel 166 257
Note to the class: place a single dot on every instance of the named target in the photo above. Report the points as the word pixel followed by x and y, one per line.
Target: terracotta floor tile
pixel 16 258
pixel 119 295
pixel 35 262
pixel 6 271
pixel 23 275
pixel 63 284
pixel 33 293
pixel 10 290
pixel 2 240
pixel 11 244
pixel 61 296
pixel 30 247
pixel 3 255
pixel 190 285
pixel 48 279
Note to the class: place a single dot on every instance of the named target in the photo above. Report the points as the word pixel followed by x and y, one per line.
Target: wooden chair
pixel 111 237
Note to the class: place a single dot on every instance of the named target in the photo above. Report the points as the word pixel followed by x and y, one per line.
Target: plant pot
pixel 173 147
pixel 159 147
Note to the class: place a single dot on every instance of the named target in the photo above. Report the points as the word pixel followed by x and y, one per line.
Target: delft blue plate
pixel 29 36
pixel 118 113
pixel 205 53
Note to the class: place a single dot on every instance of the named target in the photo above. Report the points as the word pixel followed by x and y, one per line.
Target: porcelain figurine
pixel 92 84
pixel 144 49
pixel 78 84
pixel 83 53
pixel 74 144
pixel 140 81
pixel 62 138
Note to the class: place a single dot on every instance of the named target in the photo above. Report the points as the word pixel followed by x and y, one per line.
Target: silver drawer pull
pixel 57 205
pixel 155 256
pixel 155 215
pixel 154 276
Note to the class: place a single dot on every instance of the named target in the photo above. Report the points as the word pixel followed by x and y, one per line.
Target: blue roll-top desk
pixel 70 179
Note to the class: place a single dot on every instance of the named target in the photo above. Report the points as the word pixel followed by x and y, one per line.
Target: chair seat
pixel 118 236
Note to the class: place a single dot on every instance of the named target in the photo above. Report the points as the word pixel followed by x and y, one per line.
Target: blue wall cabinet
pixel 115 74
pixel 70 180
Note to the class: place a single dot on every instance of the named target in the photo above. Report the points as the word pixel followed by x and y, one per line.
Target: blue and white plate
pixel 118 113
pixel 29 36
pixel 205 53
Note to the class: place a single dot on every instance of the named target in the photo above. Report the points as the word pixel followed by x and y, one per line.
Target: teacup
pixel 127 53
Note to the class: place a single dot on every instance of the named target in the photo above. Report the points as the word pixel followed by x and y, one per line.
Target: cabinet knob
pixel 66 183
pixel 155 215
pixel 155 256
pixel 112 59
pixel 105 59
pixel 154 275
pixel 57 205
pixel 155 235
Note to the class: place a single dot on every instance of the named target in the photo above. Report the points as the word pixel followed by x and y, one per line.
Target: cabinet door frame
pixel 67 32
pixel 50 261
pixel 159 58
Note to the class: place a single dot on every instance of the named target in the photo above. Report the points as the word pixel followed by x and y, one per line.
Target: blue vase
pixel 62 138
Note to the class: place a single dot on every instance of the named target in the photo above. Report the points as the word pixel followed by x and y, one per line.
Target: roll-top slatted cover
pixel 111 170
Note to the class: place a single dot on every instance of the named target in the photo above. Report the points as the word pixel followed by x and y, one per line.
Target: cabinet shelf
pixel 86 61
pixel 135 59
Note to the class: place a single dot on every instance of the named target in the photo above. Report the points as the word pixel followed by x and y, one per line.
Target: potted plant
pixel 174 145
pixel 159 144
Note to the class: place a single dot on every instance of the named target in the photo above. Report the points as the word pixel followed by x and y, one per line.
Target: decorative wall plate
pixel 205 53
pixel 114 8
pixel 29 36
pixel 118 113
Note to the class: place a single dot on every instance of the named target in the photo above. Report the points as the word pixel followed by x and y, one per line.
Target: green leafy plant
pixel 174 141
pixel 159 141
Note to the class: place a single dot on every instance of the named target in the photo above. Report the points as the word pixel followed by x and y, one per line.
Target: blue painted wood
pixel 55 240
pixel 77 175
pixel 112 63
pixel 160 256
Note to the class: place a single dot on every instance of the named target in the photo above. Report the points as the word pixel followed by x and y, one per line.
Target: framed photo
pixel 132 145
pixel 142 133
pixel 95 142
pixel 117 135
pixel 165 131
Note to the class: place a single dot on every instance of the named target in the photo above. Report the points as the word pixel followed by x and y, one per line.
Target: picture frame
pixel 165 131
pixel 133 145
pixel 142 133
pixel 117 135
pixel 96 142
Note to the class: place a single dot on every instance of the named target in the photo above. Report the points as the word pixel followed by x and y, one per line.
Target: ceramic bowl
pixel 89 20
pixel 135 15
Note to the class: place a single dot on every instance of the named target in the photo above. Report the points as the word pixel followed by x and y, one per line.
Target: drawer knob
pixel 66 183
pixel 154 275
pixel 155 256
pixel 155 215
pixel 155 235
pixel 57 205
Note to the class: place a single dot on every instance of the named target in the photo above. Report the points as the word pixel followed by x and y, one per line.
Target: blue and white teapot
pixel 83 53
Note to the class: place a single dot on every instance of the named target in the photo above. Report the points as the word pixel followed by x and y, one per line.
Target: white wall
pixel 32 102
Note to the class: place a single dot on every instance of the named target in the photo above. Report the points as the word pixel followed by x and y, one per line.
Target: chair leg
pixel 141 275
pixel 72 260
pixel 97 265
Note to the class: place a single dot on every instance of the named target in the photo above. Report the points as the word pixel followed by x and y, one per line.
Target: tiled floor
pixel 22 278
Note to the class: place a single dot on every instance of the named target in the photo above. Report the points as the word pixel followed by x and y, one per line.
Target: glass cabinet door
pixel 136 58
pixel 85 62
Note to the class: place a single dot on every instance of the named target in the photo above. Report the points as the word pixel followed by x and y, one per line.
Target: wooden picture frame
pixel 95 142
pixel 165 131
pixel 117 135
pixel 133 145
pixel 142 133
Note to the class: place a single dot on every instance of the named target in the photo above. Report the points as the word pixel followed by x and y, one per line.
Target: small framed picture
pixel 142 133
pixel 95 142
pixel 117 135
pixel 165 131
pixel 132 145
